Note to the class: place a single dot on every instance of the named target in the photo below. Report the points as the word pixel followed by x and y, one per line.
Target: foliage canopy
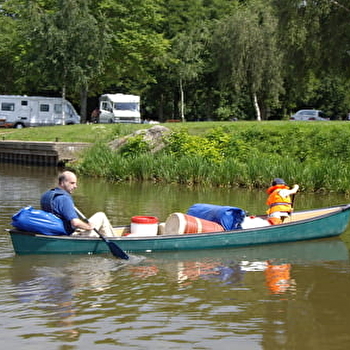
pixel 197 60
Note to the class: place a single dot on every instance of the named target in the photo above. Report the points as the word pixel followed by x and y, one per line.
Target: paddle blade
pixel 116 251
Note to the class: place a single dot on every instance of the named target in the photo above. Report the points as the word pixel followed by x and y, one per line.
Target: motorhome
pixel 119 108
pixel 24 111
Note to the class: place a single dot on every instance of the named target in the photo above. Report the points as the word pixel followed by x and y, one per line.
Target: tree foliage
pixel 247 54
pixel 139 48
pixel 203 59
pixel 8 52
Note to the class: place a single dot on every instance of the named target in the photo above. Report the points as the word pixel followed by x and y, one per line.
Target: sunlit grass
pixel 70 133
pixel 93 132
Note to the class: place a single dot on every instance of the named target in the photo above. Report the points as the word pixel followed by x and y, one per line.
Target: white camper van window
pixel 105 106
pixel 24 103
pixel 57 108
pixel 126 106
pixel 44 108
pixel 6 106
pixel 69 111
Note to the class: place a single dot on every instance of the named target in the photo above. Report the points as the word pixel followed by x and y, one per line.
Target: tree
pixel 187 81
pixel 139 49
pixel 64 45
pixel 8 51
pixel 315 39
pixel 188 49
pixel 248 58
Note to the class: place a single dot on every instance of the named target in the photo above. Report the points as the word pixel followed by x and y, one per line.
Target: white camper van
pixel 120 108
pixel 23 111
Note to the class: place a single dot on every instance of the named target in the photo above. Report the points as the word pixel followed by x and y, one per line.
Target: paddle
pixel 292 206
pixel 293 199
pixel 115 250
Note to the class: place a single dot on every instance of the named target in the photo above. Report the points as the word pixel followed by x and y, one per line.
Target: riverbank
pixel 238 154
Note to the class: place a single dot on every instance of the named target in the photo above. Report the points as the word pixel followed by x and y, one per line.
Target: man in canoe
pixel 60 202
pixel 279 201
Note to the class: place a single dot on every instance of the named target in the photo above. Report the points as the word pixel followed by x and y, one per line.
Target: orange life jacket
pixel 276 202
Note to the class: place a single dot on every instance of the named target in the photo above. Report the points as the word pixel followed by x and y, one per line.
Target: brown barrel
pixel 179 224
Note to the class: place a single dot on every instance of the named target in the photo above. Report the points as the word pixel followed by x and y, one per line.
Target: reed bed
pixel 314 155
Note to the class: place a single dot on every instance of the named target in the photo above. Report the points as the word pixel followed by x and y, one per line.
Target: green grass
pixel 92 132
pixel 70 133
pixel 95 132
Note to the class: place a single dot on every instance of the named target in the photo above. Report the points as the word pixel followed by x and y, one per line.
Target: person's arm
pixel 294 190
pixel 285 193
pixel 77 223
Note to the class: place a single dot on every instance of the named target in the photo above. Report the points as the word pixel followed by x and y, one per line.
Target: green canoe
pixel 303 225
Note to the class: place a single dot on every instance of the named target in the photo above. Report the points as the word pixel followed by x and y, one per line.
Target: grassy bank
pixel 314 154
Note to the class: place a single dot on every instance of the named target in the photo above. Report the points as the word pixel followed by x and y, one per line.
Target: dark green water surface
pixel 287 296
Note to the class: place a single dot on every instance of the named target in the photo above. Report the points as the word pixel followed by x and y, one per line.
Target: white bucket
pixel 143 226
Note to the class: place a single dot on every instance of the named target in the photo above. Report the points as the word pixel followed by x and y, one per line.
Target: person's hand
pixel 295 188
pixel 91 226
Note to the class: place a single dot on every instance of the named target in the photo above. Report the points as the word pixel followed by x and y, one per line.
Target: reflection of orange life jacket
pixel 278 277
pixel 276 202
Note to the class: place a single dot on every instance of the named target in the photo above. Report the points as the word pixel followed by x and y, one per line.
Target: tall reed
pixel 313 155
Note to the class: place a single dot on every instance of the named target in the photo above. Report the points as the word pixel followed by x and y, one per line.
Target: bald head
pixel 67 181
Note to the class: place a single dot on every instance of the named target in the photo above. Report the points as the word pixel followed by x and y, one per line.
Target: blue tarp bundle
pixel 230 218
pixel 33 220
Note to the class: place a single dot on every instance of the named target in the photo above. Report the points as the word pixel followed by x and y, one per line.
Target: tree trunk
pixel 83 104
pixel 161 109
pixel 64 105
pixel 182 103
pixel 256 107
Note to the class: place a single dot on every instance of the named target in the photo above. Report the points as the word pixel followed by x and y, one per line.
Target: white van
pixel 119 108
pixel 24 111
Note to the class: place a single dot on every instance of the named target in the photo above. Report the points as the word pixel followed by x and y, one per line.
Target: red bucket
pixel 144 226
pixel 144 220
pixel 179 224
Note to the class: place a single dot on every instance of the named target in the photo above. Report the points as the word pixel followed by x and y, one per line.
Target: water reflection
pixel 52 284
pixel 231 265
pixel 229 298
pixel 278 277
pixel 74 295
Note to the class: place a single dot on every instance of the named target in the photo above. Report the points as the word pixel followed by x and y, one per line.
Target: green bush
pixel 135 146
pixel 314 155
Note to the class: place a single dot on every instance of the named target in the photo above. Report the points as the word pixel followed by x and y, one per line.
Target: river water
pixel 287 296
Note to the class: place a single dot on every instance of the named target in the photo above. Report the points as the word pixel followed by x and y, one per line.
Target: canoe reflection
pixel 190 271
pixel 229 266
pixel 61 286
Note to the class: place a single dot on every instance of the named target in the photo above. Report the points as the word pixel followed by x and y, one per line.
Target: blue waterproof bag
pixel 230 218
pixel 40 221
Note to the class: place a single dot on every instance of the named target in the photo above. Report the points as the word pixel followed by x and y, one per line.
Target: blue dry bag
pixel 33 220
pixel 230 218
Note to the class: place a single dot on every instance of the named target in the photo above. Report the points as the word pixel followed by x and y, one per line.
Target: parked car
pixel 309 114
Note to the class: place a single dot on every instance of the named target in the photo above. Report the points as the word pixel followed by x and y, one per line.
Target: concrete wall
pixel 40 153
